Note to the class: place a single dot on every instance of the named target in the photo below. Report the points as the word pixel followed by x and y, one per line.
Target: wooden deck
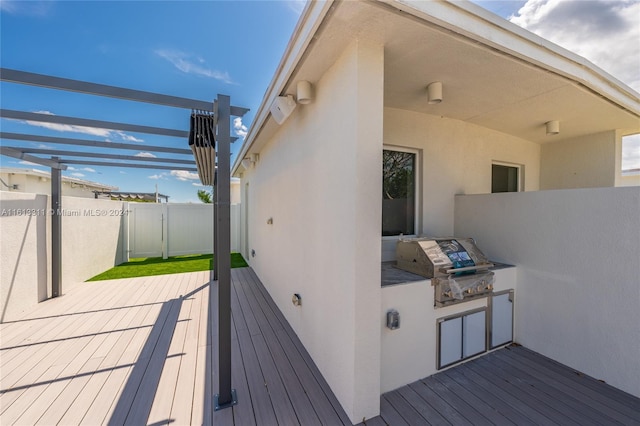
pixel 512 386
pixel 139 351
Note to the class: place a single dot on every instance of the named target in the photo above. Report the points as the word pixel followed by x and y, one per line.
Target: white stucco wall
pixel 585 162
pixel 577 253
pixel 318 179
pixel 42 185
pixel 23 246
pixel 409 352
pixel 91 238
pixel 456 159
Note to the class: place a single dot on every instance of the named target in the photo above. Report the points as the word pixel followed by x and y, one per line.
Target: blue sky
pixel 198 49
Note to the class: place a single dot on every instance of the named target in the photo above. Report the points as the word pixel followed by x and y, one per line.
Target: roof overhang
pixel 494 73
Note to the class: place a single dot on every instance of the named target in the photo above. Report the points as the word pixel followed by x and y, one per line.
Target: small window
pixel 505 178
pixel 631 155
pixel 398 192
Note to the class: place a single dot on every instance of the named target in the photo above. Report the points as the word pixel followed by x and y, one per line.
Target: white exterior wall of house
pixel 456 159
pixel 38 182
pixel 585 162
pixel 577 253
pixel 324 242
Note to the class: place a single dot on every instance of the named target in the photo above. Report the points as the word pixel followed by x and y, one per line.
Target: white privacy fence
pixel 156 230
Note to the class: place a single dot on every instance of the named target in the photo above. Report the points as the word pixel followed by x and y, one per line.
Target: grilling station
pixel 459 271
pixel 454 302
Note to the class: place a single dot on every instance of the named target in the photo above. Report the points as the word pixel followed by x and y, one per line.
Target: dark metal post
pixel 226 396
pixel 56 231
pixel 215 226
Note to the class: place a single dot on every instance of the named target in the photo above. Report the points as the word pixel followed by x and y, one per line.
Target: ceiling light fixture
pixel 434 92
pixel 553 127
pixel 304 92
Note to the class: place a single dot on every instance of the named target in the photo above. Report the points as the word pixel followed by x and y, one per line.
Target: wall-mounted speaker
pixel 282 108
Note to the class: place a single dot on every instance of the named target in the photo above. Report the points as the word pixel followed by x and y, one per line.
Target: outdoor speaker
pixel 282 108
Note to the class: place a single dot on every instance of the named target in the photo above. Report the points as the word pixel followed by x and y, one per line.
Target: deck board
pixel 144 351
pixel 512 385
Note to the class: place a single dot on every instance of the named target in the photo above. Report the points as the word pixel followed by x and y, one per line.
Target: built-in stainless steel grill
pixel 459 271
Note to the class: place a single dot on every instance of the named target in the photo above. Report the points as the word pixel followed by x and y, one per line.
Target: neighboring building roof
pixel 132 196
pixel 496 75
pixel 68 179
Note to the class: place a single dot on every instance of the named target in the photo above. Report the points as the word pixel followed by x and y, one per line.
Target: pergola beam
pixel 70 85
pixel 89 142
pixel 67 84
pixel 15 153
pixel 100 155
pixel 131 165
pixel 85 122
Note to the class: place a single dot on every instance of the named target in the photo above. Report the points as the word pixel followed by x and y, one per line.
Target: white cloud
pixel 162 176
pixel 239 128
pixel 186 63
pixel 196 184
pixel 145 155
pixel 606 32
pixel 28 163
pixel 127 138
pixel 89 169
pixel 184 175
pixel 77 174
pixel 71 168
pixel 297 6
pixel 93 131
pixel 28 8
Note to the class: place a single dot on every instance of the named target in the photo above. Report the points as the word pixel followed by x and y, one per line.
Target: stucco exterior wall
pixel 318 180
pixel 456 159
pixel 42 185
pixel 586 162
pixel 92 235
pixel 23 251
pixel 577 254
pixel 91 243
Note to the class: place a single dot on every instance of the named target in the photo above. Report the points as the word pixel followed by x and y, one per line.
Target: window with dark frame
pixel 504 178
pixel 398 193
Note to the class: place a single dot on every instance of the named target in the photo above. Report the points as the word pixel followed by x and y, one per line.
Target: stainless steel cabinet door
pixel 474 334
pixel 501 319
pixel 450 341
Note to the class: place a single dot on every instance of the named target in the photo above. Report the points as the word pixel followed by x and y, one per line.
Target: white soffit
pixel 494 74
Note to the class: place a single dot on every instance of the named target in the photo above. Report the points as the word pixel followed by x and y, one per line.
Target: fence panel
pixel 145 230
pixel 176 229
pixel 189 229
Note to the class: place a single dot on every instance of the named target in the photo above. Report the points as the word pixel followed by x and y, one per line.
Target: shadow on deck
pixel 139 351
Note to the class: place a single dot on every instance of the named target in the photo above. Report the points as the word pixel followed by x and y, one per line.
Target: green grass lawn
pixel 146 266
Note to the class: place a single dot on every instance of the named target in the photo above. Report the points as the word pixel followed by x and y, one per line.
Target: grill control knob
pixel 490 287
pixel 447 294
pixel 480 288
pixel 469 291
